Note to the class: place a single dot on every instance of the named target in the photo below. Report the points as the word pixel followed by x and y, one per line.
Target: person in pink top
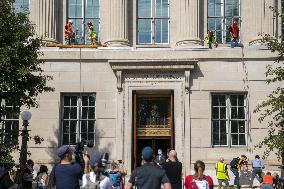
pixel 198 180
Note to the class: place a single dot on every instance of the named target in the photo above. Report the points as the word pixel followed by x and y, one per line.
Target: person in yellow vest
pixel 222 173
pixel 92 33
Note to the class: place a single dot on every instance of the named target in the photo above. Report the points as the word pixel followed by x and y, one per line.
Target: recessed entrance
pixel 152 122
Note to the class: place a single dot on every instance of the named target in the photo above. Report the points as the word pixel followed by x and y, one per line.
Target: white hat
pixel 70 21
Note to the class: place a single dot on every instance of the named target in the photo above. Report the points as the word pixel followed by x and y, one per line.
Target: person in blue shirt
pixel 67 173
pixel 257 167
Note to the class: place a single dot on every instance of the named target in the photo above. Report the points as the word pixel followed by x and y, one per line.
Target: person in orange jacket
pixel 68 32
pixel 234 31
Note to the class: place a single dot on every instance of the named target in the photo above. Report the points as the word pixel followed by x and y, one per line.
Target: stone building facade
pixel 171 92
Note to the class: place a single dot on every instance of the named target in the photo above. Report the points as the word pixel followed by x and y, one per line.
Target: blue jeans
pixel 234 43
pixel 210 44
pixel 237 177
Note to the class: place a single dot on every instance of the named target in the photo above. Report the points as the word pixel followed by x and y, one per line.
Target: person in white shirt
pixel 96 177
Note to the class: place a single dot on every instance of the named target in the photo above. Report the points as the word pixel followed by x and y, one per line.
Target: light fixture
pixel 26 115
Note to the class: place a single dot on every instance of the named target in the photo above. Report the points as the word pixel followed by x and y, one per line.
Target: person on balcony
pixel 210 38
pixel 234 31
pixel 68 32
pixel 92 33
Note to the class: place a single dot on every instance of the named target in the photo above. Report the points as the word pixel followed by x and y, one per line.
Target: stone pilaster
pixel 116 23
pixel 45 17
pixel 188 23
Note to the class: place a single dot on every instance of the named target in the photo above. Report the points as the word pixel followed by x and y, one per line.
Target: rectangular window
pixel 78 118
pixel 10 124
pixel 21 6
pixel 81 12
pixel 153 20
pixel 221 14
pixel 229 120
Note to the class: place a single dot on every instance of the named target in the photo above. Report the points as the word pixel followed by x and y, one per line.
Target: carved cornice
pixel 139 67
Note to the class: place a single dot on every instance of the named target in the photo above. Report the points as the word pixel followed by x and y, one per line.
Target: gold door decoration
pixel 153 117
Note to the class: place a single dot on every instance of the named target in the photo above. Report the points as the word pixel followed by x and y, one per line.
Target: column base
pixel 117 43
pixel 190 43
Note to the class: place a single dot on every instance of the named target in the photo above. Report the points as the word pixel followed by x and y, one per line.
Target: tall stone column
pixel 116 23
pixel 188 23
pixel 45 15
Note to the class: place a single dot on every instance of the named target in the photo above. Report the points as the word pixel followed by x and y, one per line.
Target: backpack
pixel 234 163
pixel 93 185
pixel 116 179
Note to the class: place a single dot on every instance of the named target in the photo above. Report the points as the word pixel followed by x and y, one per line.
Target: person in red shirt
pixel 68 32
pixel 234 31
pixel 198 180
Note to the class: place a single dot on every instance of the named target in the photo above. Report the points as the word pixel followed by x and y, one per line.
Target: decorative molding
pixel 152 71
pixel 144 132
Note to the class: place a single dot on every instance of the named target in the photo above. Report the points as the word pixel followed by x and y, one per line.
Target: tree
pixel 272 109
pixel 21 76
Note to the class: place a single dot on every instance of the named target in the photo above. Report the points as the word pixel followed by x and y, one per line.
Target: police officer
pixel 222 173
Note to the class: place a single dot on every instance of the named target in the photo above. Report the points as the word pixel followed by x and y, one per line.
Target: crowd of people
pixel 155 171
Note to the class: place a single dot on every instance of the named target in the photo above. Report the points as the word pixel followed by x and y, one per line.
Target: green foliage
pixel 272 109
pixel 21 76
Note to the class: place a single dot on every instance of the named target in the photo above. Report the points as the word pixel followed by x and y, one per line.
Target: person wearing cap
pixel 257 167
pixel 92 33
pixel 234 32
pixel 173 170
pixel 149 175
pixel 210 38
pixel 222 173
pixel 96 178
pixel 66 174
pixel 68 32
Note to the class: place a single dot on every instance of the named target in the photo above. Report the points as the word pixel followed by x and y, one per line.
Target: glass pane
pixel 85 101
pixel 241 100
pixel 72 139
pixel 73 100
pixel 84 127
pixel 92 9
pixel 223 139
pixel 78 29
pixel 144 31
pixel 91 113
pixel 75 9
pixel 73 113
pixel 85 113
pixel 92 101
pixel 73 125
pixel 234 113
pixel 234 100
pixel 162 8
pixel 216 139
pixel 234 126
pixel 144 8
pixel 234 139
pixel 242 140
pixel 67 100
pixel 232 8
pixel 66 113
pixel 241 113
pixel 223 127
pixel 215 125
pixel 215 8
pixel 91 126
pixel 161 31
pixel 65 139
pixel 66 127
pixel 91 136
pixel 242 127
pixel 223 113
pixel 84 136
pixel 215 113
pixel 21 6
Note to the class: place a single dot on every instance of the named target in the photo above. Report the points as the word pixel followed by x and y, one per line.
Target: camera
pixel 79 150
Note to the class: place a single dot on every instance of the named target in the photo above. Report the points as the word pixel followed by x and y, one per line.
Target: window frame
pixel 229 119
pixel 153 19
pixel 83 17
pixel 3 124
pixel 79 116
pixel 223 18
